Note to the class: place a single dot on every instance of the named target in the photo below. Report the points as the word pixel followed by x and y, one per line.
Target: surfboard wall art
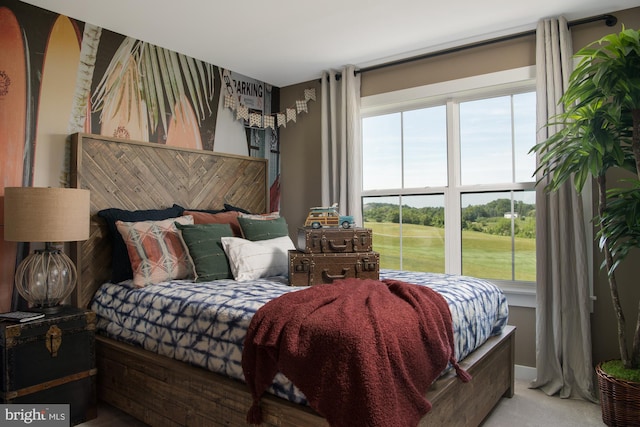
pixel 168 97
pixel 183 128
pixel 57 88
pixel 61 58
pixel 13 122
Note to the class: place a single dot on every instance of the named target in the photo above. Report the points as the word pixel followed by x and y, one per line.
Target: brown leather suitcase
pixel 51 360
pixel 334 240
pixel 315 269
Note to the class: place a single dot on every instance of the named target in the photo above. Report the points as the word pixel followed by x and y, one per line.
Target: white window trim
pixel 518 294
pixel 423 96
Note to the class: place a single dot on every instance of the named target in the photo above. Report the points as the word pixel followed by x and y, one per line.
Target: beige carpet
pixel 533 408
pixel 528 408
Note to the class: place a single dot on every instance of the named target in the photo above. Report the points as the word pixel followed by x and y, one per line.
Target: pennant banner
pixel 242 112
pixel 310 94
pixel 301 106
pixel 270 120
pixel 291 114
pixel 255 120
pixel 229 102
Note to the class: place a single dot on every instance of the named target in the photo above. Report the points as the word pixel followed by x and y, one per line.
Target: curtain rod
pixel 610 21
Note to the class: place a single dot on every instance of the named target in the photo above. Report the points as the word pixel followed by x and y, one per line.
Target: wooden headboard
pixel 135 175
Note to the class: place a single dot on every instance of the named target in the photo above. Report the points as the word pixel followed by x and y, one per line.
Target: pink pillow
pixel 230 217
pixel 156 251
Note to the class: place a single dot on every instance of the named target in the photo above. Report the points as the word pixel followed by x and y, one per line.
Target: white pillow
pixel 261 258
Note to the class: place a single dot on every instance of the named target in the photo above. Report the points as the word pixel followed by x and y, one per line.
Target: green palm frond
pixel 620 222
pixel 160 78
pixel 589 142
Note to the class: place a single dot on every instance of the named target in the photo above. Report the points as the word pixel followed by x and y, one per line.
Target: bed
pixel 160 390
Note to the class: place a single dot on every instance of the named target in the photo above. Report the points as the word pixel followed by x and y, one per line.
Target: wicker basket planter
pixel 619 399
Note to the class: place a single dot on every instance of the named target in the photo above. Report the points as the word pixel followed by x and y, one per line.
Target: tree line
pixel 493 217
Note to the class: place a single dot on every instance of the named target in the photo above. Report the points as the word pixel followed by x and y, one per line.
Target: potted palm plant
pixel 600 130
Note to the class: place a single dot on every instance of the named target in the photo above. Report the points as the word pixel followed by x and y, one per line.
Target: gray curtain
pixel 341 152
pixel 563 331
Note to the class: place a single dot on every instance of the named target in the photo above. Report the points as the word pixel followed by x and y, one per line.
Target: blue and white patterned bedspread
pixel 209 330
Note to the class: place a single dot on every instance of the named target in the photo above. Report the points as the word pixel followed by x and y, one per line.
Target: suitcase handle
pixel 333 246
pixel 326 275
pixel 337 248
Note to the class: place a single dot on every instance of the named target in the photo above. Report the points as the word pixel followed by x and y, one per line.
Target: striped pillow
pixel 156 251
pixel 252 260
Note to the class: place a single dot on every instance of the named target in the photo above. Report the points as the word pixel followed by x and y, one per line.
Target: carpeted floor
pixel 527 408
pixel 533 408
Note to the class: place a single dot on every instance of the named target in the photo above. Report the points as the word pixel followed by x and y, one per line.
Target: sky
pixel 496 135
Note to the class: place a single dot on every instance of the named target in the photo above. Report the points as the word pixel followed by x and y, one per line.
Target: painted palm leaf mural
pixel 59 76
pixel 144 84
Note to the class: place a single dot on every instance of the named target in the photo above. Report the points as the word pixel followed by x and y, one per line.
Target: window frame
pixel 451 93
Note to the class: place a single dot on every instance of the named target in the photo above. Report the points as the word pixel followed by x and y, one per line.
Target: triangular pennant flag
pixel 242 112
pixel 273 120
pixel 310 94
pixel 229 102
pixel 269 122
pixel 301 106
pixel 291 114
pixel 281 119
pixel 255 119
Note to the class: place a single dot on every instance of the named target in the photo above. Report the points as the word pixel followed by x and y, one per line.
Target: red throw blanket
pixel 364 352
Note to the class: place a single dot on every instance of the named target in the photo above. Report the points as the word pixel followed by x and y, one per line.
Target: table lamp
pixel 50 215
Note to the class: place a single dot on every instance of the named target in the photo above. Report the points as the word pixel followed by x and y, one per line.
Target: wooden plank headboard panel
pixel 135 175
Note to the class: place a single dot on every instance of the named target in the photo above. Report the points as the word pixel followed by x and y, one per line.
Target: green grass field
pixel 483 255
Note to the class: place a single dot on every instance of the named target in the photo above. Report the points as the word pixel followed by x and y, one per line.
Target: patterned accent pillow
pixel 120 265
pixel 252 260
pixel 263 229
pixel 156 251
pixel 205 250
pixel 230 217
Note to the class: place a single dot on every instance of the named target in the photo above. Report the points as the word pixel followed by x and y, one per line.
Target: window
pixel 448 181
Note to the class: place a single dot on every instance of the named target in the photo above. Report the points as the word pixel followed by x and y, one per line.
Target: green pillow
pixel 205 249
pixel 263 229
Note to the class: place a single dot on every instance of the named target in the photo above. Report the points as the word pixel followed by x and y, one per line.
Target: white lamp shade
pixel 37 214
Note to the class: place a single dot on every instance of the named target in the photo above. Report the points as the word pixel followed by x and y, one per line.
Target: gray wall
pixel 300 178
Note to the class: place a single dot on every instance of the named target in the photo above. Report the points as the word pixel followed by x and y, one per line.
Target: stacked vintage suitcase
pixel 327 254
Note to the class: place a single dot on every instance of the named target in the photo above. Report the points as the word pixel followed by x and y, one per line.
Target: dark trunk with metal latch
pixel 52 361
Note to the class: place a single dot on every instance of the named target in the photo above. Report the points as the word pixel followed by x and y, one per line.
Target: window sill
pixel 518 294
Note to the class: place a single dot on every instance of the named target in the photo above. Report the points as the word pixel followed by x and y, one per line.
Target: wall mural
pixel 59 76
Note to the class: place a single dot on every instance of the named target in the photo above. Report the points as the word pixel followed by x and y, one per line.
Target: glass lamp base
pixel 45 278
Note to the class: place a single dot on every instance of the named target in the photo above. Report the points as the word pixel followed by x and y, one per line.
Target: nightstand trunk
pixel 51 361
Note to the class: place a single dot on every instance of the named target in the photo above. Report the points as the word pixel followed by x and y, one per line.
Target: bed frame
pixel 163 392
